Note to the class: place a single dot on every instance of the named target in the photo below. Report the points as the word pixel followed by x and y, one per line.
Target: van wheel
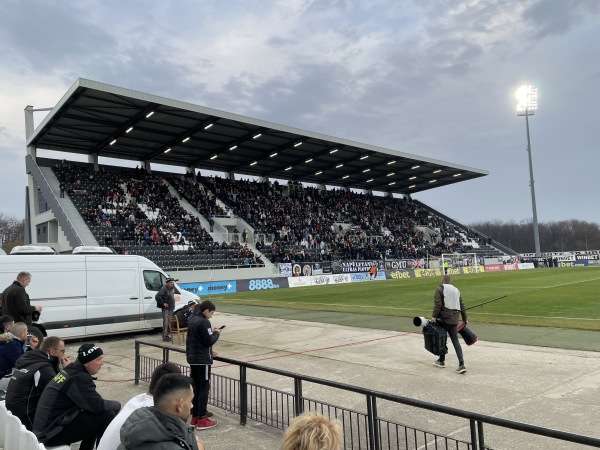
pixel 34 331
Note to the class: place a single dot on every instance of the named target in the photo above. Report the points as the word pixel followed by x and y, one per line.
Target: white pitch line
pixel 412 309
pixel 555 285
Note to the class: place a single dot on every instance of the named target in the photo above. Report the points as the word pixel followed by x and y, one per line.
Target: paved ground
pixel 551 387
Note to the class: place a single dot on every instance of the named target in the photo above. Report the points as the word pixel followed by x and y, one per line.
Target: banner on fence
pixel 214 287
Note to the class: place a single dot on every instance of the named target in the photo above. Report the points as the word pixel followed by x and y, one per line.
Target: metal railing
pixel 364 429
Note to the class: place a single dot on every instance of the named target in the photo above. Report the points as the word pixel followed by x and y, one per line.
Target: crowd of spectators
pixel 298 223
pixel 305 222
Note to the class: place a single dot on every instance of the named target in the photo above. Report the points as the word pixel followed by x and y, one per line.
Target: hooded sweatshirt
pixel 151 429
pixel 33 372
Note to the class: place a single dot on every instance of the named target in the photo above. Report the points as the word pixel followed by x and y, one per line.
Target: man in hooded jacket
pixel 33 371
pixel 164 425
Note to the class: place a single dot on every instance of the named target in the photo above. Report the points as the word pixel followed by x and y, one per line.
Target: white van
pixel 92 295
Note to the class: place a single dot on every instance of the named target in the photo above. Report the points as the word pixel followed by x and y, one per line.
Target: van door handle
pixel 133 298
pixel 148 297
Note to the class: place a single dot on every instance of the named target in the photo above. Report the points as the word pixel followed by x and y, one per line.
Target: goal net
pixel 453 262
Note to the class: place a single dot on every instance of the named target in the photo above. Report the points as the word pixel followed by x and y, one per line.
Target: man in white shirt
pixel 111 437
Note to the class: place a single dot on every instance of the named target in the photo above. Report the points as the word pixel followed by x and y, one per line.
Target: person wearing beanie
pixel 70 408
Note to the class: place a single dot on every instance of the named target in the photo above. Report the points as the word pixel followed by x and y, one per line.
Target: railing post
pixel 165 354
pixel 137 363
pixel 374 443
pixel 480 434
pixel 243 396
pixel 298 400
pixel 473 428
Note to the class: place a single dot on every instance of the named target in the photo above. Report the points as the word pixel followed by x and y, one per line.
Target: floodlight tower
pixel 527 105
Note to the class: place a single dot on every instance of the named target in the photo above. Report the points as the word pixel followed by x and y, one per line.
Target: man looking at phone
pixel 200 339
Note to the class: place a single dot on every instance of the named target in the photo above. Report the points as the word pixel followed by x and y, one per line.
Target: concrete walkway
pixel 549 387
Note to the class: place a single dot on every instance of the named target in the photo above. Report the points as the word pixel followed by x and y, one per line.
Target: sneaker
pixel 209 414
pixel 204 423
pixel 194 421
pixel 461 369
pixel 440 364
pixel 167 338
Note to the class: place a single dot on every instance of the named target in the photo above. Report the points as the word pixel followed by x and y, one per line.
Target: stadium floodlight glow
pixel 333 151
pixel 457 175
pixel 308 160
pixel 415 167
pixel 392 183
pixel 437 171
pixel 233 147
pixel 339 165
pixel 319 172
pixel 366 170
pixel 257 135
pixel 527 98
pixel 214 157
pixel 272 155
pixel 288 168
pixel 345 176
pixel 149 114
pixel 364 157
pixel 129 129
pixel 254 163
pixel 298 144
pixel 390 174
pixel 208 126
pixel 369 180
pixel 412 178
pixel 391 162
pixel 167 150
pixel 186 139
pixel 113 142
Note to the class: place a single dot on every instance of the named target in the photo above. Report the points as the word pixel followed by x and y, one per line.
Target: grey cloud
pixel 549 17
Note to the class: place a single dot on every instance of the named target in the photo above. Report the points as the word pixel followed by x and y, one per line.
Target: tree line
pixel 11 232
pixel 561 236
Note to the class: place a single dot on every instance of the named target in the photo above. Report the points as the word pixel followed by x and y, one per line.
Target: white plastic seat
pixel 12 432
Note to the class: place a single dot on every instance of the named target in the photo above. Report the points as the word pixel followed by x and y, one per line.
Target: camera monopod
pixel 485 303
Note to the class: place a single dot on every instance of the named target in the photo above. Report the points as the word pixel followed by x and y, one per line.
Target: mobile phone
pixel 221 327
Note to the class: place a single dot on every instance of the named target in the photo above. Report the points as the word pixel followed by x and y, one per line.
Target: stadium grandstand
pixel 254 194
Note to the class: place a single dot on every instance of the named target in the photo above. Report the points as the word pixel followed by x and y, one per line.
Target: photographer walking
pixel 448 304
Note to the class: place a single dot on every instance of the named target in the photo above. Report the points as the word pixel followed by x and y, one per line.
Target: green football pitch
pixel 552 297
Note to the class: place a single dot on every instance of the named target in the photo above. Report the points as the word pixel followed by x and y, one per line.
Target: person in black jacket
pixel 165 300
pixel 15 300
pixel 200 339
pixel 32 373
pixel 70 409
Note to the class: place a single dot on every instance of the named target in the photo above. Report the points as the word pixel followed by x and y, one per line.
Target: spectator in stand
pixel 33 371
pixel 311 431
pixel 70 409
pixel 111 438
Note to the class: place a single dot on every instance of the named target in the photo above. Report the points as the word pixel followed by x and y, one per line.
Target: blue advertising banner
pixel 261 284
pixel 214 287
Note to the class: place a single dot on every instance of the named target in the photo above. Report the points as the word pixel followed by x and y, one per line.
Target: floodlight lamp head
pixel 527 98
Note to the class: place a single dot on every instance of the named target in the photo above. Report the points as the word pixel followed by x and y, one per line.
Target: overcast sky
pixel 431 77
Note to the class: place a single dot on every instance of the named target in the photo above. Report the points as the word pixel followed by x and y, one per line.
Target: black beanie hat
pixel 88 352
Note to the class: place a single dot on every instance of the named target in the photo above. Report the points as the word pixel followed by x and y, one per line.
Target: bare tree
pixel 11 232
pixel 562 236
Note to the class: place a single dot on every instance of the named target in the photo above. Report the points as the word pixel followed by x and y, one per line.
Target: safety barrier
pixel 363 429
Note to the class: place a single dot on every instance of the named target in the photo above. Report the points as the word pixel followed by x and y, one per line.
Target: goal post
pixel 453 262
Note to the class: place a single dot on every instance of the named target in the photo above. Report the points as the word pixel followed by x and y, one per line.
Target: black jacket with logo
pixel 33 372
pixel 200 339
pixel 70 392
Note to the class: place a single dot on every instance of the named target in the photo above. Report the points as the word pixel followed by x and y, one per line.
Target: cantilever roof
pixel 98 118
